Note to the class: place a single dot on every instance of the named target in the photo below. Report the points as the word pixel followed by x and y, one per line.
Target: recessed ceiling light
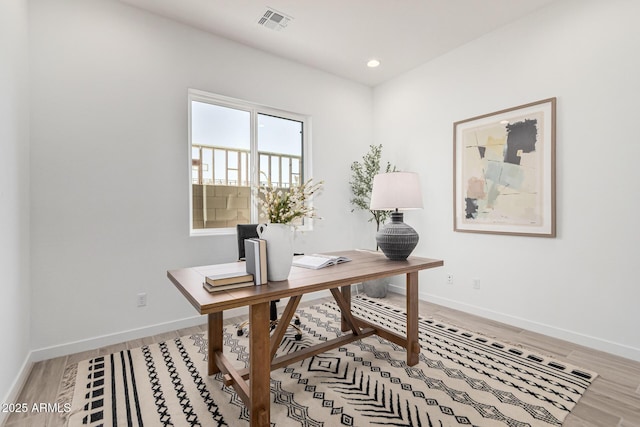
pixel 373 63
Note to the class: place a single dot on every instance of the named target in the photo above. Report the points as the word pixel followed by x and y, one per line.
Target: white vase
pixel 279 239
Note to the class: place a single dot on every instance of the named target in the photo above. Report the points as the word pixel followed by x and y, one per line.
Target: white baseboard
pixel 116 338
pixel 16 387
pixel 552 331
pixel 120 337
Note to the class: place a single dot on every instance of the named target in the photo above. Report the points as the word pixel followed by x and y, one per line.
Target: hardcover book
pixel 256 259
pixel 228 278
pixel 227 287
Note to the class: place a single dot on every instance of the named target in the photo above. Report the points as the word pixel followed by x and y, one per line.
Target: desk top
pixel 364 265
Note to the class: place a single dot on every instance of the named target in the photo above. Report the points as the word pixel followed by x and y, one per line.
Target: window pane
pixel 219 133
pixel 223 170
pixel 278 135
pixel 282 139
pixel 279 143
pixel 217 126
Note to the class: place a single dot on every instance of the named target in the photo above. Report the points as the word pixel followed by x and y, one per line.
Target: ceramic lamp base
pixel 396 239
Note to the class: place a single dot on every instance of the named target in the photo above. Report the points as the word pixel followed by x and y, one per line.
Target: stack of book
pixel 228 281
pixel 256 266
pixel 255 251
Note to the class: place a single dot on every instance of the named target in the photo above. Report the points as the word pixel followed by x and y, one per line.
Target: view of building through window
pixel 228 158
pixel 280 150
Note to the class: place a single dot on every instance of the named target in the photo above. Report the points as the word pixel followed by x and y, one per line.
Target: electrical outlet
pixel 142 299
pixel 476 283
pixel 449 279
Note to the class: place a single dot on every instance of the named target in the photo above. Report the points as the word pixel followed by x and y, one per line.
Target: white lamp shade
pixel 396 190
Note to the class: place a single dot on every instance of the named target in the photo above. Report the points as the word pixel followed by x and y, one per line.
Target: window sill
pixel 231 231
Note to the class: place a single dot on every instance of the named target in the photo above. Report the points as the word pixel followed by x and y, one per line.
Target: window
pixel 234 147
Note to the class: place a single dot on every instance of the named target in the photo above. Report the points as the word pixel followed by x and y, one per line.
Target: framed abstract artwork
pixel 504 171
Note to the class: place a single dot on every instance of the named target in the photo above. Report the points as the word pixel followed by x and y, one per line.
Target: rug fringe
pixel 67 387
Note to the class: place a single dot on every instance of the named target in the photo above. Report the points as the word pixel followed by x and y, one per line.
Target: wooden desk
pixel 364 266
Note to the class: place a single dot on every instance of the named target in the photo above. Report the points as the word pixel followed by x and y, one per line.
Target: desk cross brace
pixel 232 376
pixel 262 343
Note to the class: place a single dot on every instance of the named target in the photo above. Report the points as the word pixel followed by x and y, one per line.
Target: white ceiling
pixel 340 36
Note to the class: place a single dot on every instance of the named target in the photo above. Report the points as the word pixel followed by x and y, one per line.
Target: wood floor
pixel 613 400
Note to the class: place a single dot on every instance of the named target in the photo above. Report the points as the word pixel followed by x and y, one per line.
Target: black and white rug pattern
pixel 462 379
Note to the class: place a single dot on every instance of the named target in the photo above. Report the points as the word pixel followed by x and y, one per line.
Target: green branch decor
pixel 362 183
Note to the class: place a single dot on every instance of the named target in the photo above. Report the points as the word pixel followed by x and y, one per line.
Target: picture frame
pixel 504 167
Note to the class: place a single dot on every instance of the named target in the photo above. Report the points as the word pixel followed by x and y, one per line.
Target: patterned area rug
pixel 462 379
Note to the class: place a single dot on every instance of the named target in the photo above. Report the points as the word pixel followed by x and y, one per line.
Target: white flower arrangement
pixel 285 205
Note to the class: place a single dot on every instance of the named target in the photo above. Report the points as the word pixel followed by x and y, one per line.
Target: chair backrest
pixel 245 231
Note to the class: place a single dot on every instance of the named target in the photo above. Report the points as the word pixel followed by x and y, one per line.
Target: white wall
pixel 109 159
pixel 14 194
pixel 582 285
pixel 108 108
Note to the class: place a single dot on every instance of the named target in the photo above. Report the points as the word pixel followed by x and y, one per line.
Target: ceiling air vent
pixel 274 20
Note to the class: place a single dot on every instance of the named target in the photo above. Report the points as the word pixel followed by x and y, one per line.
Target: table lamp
pixel 394 191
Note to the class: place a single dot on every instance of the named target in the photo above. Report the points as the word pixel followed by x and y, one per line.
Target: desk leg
pixel 215 340
pixel 413 345
pixel 346 294
pixel 259 365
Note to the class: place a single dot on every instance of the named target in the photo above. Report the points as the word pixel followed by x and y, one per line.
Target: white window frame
pixel 254 109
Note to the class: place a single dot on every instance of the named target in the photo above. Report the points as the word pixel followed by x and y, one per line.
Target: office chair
pixel 248 231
